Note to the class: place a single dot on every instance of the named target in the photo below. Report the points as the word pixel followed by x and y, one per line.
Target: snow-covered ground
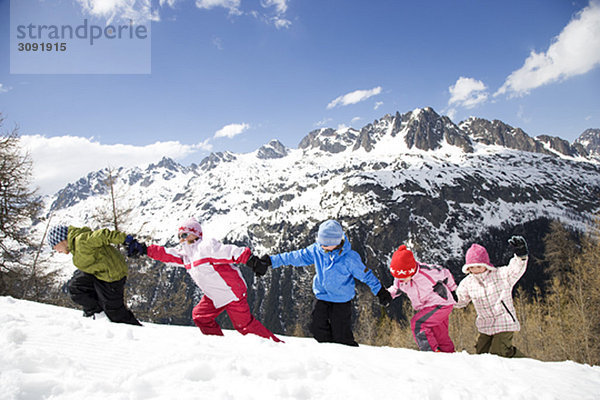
pixel 48 352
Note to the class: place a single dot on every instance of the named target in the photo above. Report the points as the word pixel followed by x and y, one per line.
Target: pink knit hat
pixel 477 256
pixel 191 226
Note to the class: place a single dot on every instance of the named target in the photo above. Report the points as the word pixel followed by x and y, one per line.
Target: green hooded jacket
pixel 93 252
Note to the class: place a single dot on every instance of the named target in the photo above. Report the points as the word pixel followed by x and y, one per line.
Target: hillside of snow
pixel 48 352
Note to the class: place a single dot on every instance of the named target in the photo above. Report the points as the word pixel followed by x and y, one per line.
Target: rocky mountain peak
pixel 563 146
pixel 425 129
pixel 590 140
pixel 330 140
pixel 370 134
pixel 273 149
pixel 214 159
pixel 498 133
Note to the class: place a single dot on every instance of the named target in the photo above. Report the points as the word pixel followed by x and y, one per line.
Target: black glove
pixel 454 296
pixel 520 245
pixel 267 260
pixel 440 289
pixel 385 298
pixel 135 248
pixel 259 266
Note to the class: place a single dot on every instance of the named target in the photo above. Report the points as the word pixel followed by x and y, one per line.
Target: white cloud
pixel 170 3
pixel 231 130
pixel 377 105
pixel 323 122
pixel 451 113
pixel 281 22
pixel 280 5
pixel 232 5
pixel 355 119
pixel 467 92
pixel 354 97
pixel 522 115
pixel 217 42
pixel 139 11
pixel 575 51
pixel 63 159
pixel 4 89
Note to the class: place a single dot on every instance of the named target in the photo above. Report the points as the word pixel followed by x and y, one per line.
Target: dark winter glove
pixel 267 260
pixel 520 245
pixel 440 289
pixel 454 296
pixel 136 249
pixel 385 298
pixel 258 265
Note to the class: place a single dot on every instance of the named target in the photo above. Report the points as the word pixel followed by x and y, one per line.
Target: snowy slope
pixel 48 352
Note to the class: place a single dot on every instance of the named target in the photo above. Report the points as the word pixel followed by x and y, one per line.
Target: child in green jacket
pixel 98 283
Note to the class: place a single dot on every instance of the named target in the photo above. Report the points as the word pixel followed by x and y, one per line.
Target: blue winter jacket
pixel 335 271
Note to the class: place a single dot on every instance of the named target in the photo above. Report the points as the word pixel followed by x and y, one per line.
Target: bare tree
pixel 19 207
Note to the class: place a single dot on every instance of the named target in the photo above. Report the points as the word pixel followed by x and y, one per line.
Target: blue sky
pixel 233 74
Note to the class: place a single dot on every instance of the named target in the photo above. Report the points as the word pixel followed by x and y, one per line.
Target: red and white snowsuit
pixel 210 264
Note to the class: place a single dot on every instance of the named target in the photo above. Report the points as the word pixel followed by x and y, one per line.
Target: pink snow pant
pixel 430 329
pixel 205 312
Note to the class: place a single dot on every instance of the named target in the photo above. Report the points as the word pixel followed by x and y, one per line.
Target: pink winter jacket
pixel 419 289
pixel 491 294
pixel 209 263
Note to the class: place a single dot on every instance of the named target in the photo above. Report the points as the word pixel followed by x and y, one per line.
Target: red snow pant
pixel 205 312
pixel 430 329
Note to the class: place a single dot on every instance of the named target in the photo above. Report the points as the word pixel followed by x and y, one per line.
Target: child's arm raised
pixel 517 265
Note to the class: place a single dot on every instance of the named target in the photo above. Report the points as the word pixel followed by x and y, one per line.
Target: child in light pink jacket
pixel 430 289
pixel 490 290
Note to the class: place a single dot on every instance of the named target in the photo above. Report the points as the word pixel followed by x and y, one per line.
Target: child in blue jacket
pixel 336 267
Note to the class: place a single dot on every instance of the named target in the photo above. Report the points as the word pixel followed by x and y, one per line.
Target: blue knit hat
pixel 330 233
pixel 57 234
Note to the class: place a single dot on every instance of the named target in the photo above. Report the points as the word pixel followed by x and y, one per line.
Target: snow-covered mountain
pixel 49 352
pixel 590 140
pixel 414 178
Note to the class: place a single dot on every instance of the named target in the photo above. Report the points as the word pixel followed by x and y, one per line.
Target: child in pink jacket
pixel 430 289
pixel 211 264
pixel 490 290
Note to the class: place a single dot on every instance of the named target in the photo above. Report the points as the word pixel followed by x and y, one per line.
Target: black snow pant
pixel 95 295
pixel 332 322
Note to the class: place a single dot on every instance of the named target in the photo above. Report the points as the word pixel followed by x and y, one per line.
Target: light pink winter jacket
pixel 419 289
pixel 210 264
pixel 491 294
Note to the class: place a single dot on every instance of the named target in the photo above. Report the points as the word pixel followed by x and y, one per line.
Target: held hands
pixel 385 298
pixel 259 265
pixel 134 248
pixel 519 245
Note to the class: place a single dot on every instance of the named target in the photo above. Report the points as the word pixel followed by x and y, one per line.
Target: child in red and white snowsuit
pixel 429 288
pixel 210 263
